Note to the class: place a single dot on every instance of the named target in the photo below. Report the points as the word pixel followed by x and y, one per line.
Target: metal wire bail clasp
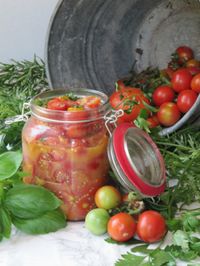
pixel 111 118
pixel 18 118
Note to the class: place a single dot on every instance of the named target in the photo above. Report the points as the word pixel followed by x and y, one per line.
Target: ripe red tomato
pixel 195 83
pixel 153 121
pixel 107 197
pixel 59 104
pixel 168 114
pixel 193 63
pixel 194 70
pixel 168 72
pixel 131 101
pixel 163 94
pixel 121 227
pixel 186 99
pixel 151 226
pixel 185 53
pixel 181 80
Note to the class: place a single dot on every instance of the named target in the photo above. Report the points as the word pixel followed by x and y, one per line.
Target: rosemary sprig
pixel 19 82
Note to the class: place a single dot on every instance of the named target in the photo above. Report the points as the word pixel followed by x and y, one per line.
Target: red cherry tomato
pixel 131 101
pixel 151 226
pixel 193 63
pixel 195 83
pixel 185 53
pixel 169 72
pixel 194 70
pixel 153 121
pixel 186 99
pixel 121 227
pixel 168 114
pixel 181 80
pixel 163 94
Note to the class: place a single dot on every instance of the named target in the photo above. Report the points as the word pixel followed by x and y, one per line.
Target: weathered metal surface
pixel 92 43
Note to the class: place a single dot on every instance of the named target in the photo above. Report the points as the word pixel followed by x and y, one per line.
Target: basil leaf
pixel 48 222
pixel 9 163
pixel 30 201
pixel 5 221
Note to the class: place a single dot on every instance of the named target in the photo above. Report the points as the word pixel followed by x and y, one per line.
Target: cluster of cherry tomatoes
pixel 149 225
pixel 172 99
pixel 178 97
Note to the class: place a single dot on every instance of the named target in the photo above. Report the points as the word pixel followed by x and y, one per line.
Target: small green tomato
pixel 96 221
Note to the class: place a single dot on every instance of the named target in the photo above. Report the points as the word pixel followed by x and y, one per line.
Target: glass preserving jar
pixel 66 152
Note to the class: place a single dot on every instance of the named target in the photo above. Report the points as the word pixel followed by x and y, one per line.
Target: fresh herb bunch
pixel 22 80
pixel 19 82
pixel 181 152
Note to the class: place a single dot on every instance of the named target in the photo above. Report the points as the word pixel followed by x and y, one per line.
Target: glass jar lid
pixel 136 160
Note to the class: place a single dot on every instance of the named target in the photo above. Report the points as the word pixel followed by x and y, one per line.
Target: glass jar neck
pixel 49 115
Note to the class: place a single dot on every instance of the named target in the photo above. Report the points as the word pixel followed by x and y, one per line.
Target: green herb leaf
pixel 181 238
pixel 5 221
pixel 142 249
pixel 72 96
pixel 174 224
pixel 161 257
pixel 130 260
pixel 191 222
pixel 48 222
pixel 129 242
pixel 30 201
pixel 9 164
pixel 150 107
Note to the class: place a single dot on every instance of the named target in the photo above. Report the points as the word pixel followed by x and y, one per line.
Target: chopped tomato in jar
pixel 68 157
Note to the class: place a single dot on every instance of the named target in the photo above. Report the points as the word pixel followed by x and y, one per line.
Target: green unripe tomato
pixel 96 221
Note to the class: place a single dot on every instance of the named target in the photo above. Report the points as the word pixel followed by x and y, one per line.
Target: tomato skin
pixel 186 99
pixel 195 83
pixel 163 94
pixel 185 53
pixel 118 100
pixel 193 63
pixel 107 197
pixel 194 70
pixel 59 104
pixel 151 226
pixel 169 72
pixel 96 221
pixel 181 80
pixel 168 114
pixel 121 227
pixel 153 121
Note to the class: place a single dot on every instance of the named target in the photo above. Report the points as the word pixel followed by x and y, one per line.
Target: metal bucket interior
pixel 93 43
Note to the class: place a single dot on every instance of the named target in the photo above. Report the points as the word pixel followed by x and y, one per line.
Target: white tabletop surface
pixel 71 246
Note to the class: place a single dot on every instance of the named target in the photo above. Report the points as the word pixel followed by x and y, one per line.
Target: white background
pixel 23 27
